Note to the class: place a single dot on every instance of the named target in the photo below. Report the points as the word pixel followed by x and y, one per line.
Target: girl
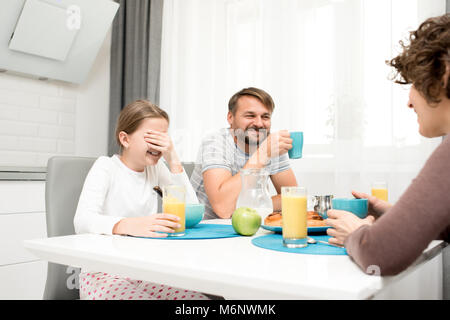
pixel 118 198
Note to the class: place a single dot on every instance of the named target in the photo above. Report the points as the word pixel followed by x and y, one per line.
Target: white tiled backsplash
pixel 37 120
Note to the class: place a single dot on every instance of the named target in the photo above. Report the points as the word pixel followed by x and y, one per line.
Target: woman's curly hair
pixel 423 61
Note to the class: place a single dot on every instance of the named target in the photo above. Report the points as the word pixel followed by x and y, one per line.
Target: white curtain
pixel 322 61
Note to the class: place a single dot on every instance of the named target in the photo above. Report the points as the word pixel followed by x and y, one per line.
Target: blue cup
pixel 194 214
pixel 358 207
pixel 297 145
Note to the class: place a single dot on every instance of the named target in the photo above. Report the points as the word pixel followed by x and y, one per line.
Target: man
pixel 248 143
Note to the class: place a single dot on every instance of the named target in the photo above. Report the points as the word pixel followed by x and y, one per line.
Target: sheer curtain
pixel 323 62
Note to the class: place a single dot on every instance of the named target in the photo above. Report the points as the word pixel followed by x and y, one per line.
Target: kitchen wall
pixel 39 119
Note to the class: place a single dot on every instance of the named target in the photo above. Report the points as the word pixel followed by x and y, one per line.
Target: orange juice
pixel 381 194
pixel 294 217
pixel 177 208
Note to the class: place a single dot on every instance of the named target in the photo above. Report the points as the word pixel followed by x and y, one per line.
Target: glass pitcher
pixel 255 191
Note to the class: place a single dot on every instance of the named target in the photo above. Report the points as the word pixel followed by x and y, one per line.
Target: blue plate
pixel 280 229
pixel 204 231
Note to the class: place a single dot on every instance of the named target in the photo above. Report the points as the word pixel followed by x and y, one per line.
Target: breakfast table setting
pixel 238 267
pixel 256 254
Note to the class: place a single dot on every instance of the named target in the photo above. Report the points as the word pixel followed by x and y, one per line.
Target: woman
pixel 392 237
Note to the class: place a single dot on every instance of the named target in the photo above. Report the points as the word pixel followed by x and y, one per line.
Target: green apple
pixel 246 221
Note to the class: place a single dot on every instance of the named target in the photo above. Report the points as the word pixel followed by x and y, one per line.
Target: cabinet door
pixel 22 196
pixel 23 281
pixel 14 228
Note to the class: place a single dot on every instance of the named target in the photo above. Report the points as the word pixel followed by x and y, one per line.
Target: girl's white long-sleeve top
pixel 112 191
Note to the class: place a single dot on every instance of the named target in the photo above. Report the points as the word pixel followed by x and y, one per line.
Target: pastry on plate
pixel 275 219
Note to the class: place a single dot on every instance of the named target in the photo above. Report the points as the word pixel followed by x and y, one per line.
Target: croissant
pixel 275 220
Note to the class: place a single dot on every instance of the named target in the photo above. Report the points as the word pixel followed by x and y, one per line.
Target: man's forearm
pixel 276 202
pixel 227 196
pixel 224 199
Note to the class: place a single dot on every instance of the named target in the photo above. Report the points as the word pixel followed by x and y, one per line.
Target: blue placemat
pixel 275 242
pixel 204 231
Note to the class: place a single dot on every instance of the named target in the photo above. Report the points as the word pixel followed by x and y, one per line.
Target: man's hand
pixel 274 145
pixel 277 143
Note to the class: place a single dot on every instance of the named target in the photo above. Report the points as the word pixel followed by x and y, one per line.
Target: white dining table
pixel 236 269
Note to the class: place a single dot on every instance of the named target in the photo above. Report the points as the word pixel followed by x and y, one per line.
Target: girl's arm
pixel 175 174
pixel 88 217
pixel 165 177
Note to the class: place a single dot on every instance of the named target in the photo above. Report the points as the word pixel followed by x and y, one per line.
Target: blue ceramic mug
pixel 297 145
pixel 194 214
pixel 358 207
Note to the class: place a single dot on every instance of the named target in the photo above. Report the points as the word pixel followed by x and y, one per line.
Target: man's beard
pixel 249 137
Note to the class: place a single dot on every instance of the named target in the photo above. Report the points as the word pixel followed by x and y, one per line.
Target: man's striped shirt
pixel 218 150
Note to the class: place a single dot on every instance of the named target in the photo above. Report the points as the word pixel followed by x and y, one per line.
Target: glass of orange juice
pixel 294 212
pixel 380 190
pixel 174 203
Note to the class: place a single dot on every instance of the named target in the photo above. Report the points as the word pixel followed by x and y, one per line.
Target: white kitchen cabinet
pixel 22 196
pixel 22 217
pixel 23 281
pixel 14 228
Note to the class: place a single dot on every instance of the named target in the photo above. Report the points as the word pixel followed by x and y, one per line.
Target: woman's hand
pixel 161 141
pixel 376 206
pixel 343 223
pixel 147 226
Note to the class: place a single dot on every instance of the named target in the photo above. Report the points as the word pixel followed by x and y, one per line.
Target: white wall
pixel 39 119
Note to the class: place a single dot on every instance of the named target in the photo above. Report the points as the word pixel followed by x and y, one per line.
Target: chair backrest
pixel 189 168
pixel 64 182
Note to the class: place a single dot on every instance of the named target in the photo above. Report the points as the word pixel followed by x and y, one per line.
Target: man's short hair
pixel 259 94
